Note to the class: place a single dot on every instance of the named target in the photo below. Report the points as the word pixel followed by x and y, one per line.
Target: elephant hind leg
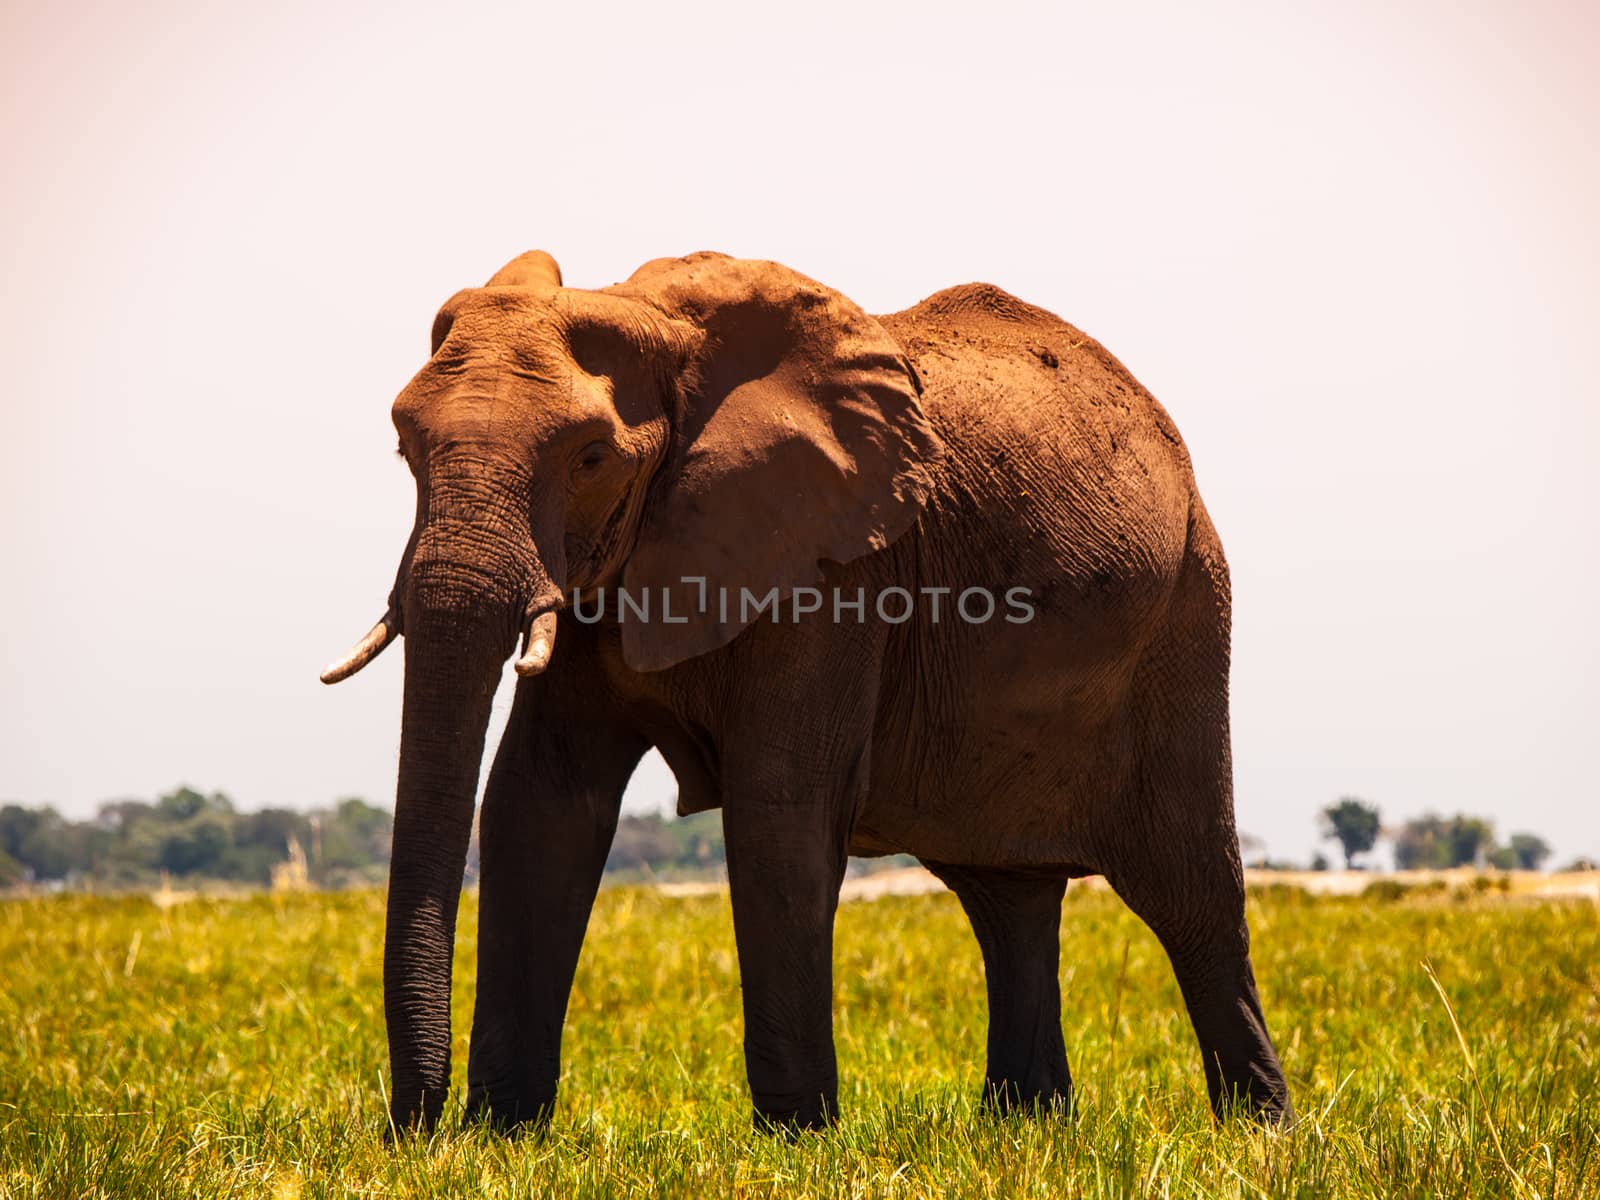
pixel 1174 859
pixel 1016 914
pixel 1195 906
pixel 1170 848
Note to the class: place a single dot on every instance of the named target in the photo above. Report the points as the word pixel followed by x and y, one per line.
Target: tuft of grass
pixel 234 1047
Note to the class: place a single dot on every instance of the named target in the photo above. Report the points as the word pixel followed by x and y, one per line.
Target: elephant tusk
pixel 541 640
pixel 367 649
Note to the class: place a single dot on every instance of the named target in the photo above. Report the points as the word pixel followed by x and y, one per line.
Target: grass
pixel 235 1048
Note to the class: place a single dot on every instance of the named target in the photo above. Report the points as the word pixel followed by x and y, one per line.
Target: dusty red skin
pixel 736 421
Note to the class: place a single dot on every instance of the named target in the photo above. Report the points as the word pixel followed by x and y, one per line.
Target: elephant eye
pixel 594 455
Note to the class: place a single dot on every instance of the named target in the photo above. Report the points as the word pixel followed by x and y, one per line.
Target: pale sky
pixel 1353 253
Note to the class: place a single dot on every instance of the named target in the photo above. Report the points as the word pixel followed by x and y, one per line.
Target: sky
pixel 1352 251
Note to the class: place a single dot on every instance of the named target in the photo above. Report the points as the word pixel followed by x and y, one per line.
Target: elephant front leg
pixel 549 814
pixel 795 771
pixel 785 865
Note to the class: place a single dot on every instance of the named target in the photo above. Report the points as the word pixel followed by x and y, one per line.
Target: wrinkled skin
pixel 734 421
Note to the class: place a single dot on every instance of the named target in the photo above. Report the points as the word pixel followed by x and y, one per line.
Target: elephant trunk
pixel 451 670
pixel 461 623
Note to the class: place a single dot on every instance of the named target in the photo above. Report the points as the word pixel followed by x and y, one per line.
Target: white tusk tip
pixel 540 642
pixel 535 660
pixel 367 649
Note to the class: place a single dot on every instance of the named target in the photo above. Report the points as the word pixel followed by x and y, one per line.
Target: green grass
pixel 235 1047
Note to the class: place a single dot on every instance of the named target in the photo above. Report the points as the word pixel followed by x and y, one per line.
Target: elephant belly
pixel 1006 752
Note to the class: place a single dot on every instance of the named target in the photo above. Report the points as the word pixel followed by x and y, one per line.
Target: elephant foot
pixel 1032 1099
pixel 1244 1077
pixel 514 1115
pixel 787 1117
pixel 1261 1096
pixel 415 1118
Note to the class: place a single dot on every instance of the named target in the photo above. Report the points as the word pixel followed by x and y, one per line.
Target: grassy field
pixel 235 1047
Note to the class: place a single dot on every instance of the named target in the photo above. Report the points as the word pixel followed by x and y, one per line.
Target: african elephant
pixel 715 432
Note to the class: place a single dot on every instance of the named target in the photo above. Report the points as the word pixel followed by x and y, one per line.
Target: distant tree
pixel 180 805
pixel 1471 839
pixel 271 828
pixel 16 826
pixel 130 835
pixel 1435 842
pixel 656 843
pixel 642 842
pixel 1422 843
pixel 261 842
pixel 40 841
pixel 1354 824
pixel 197 846
pixel 1528 850
pixel 1319 861
pixel 121 814
pixel 699 837
pixel 351 843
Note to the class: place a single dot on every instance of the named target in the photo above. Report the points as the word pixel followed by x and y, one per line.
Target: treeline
pixel 1430 842
pixel 188 835
pixel 651 846
pixel 654 847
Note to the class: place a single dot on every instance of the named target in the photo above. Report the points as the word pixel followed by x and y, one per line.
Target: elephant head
pixel 710 418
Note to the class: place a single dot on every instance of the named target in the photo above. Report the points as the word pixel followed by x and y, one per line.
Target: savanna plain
pixel 235 1047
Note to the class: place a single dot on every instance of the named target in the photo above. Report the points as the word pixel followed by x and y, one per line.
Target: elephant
pixel 816 501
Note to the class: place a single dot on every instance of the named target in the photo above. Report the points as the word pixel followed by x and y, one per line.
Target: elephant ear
pixel 798 437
